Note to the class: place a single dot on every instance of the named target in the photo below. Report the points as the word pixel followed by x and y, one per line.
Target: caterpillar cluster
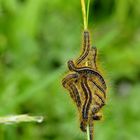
pixel 86 85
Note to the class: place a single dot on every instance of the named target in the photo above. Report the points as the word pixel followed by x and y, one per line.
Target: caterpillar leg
pixel 83 125
pixel 96 108
pixel 97 116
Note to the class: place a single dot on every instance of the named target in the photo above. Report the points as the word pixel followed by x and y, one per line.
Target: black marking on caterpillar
pixel 95 56
pixel 88 98
pixel 101 98
pixel 100 88
pixel 76 94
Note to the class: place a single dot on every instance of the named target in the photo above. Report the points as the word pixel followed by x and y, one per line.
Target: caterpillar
pixel 86 47
pixel 86 85
pixel 69 83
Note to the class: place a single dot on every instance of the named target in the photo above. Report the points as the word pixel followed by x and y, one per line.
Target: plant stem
pixel 88 133
pixel 88 3
pixel 84 14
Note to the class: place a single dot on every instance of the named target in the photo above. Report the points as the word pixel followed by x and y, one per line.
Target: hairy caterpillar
pixel 86 85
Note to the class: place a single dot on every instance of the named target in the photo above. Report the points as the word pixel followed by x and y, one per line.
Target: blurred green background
pixel 38 37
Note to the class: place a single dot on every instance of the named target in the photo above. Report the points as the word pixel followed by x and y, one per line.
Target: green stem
pixel 88 4
pixel 90 130
pixel 88 133
pixel 84 14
